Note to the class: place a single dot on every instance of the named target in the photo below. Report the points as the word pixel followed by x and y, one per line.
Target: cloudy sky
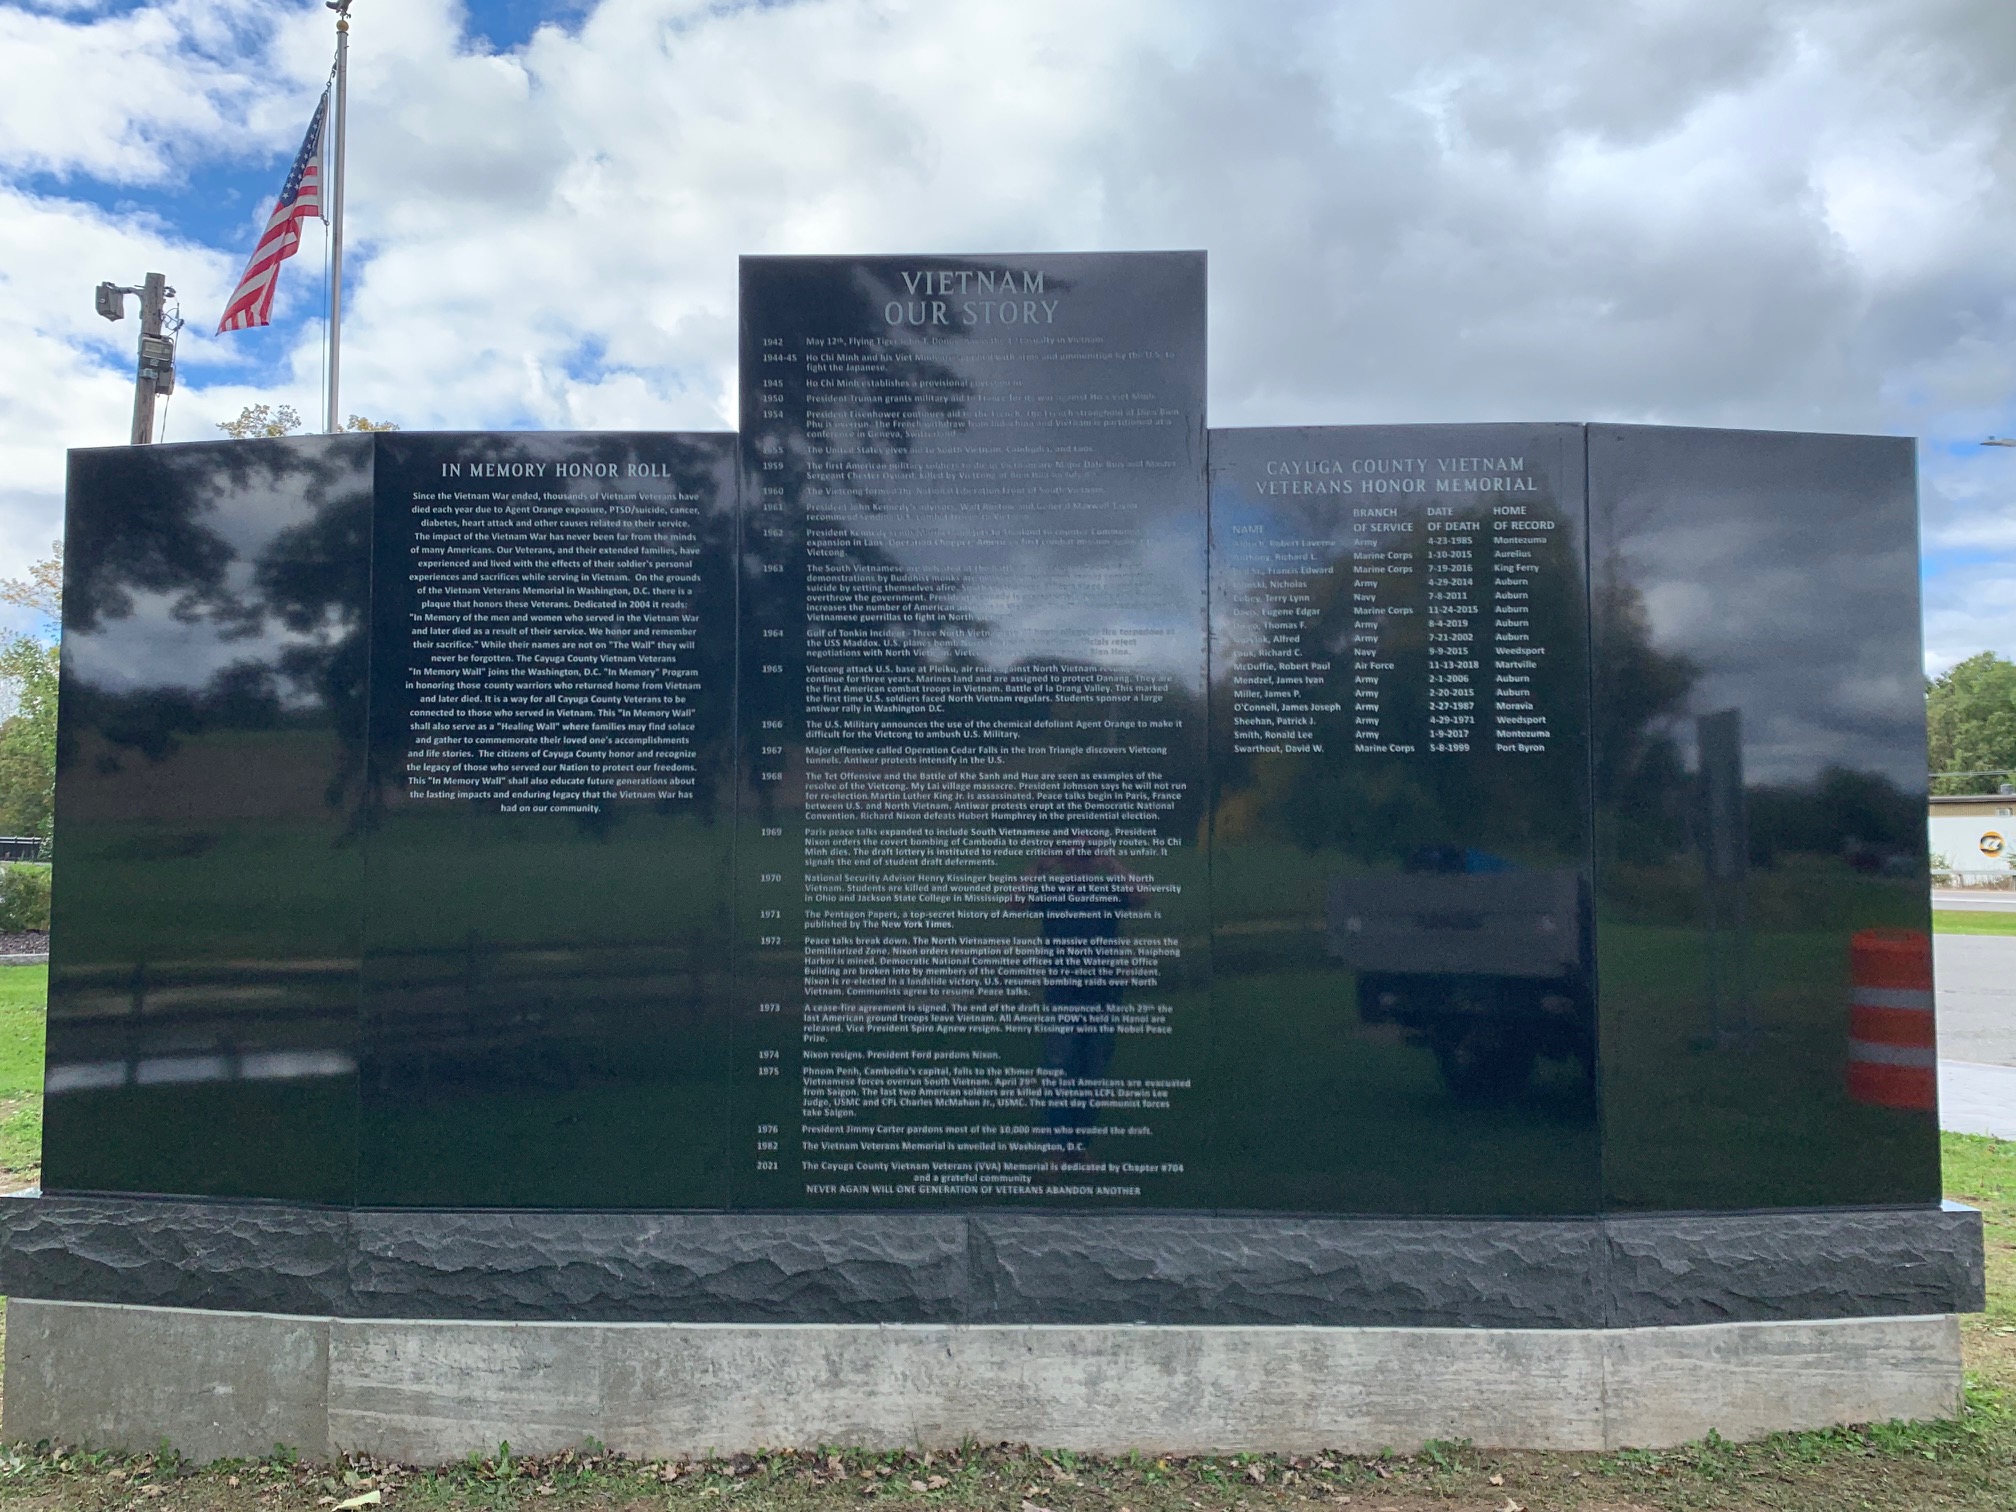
pixel 1722 212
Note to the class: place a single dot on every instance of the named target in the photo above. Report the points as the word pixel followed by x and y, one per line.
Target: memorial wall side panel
pixel 203 983
pixel 547 905
pixel 1402 996
pixel 970 867
pixel 1760 782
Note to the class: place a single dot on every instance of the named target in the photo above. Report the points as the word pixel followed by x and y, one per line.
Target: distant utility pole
pixel 155 375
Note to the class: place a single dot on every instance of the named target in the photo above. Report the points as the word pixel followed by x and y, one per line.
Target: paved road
pixel 1975 900
pixel 1977 1099
pixel 1976 975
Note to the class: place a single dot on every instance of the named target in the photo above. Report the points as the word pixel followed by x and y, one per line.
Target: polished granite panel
pixel 546 910
pixel 973 947
pixel 1400 844
pixel 210 791
pixel 425 754
pixel 1760 797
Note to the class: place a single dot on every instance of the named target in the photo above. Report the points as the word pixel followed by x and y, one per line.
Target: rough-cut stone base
pixel 220 1383
pixel 1620 1271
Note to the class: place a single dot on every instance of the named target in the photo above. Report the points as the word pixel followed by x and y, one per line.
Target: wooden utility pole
pixel 154 377
pixel 157 359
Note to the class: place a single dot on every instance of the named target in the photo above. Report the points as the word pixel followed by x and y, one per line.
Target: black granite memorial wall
pixel 1756 634
pixel 980 787
pixel 973 638
pixel 545 993
pixel 398 780
pixel 203 1033
pixel 1400 864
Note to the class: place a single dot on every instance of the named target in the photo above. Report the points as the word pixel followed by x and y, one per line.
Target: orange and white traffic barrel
pixel 1893 1057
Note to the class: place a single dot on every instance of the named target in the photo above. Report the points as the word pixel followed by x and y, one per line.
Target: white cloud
pixel 123 97
pixel 1704 211
pixel 67 377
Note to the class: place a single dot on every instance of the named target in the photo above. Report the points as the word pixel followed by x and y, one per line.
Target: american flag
pixel 251 302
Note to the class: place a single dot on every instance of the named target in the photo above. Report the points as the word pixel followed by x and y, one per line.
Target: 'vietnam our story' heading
pixel 971 297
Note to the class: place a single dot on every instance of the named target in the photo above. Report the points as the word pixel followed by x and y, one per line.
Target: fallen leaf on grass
pixel 1497 1480
pixel 368 1499
pixel 1257 1474
pixel 1512 1506
pixel 940 1482
pixel 1029 1506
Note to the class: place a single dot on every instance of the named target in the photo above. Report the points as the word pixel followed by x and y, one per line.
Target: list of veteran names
pixel 1412 576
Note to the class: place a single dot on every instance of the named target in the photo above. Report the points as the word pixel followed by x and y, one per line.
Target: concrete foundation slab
pixel 217 1383
pixel 214 1384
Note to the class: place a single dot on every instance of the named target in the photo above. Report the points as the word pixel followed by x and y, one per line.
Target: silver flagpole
pixel 335 190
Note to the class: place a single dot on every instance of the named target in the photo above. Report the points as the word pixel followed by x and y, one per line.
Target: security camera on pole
pixel 155 375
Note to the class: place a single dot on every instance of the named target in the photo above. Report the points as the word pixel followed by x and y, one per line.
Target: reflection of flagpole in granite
pixel 341 131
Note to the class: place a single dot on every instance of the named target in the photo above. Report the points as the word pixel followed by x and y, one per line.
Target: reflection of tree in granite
pixel 1862 818
pixel 315 577
pixel 1650 799
pixel 168 538
pixel 1643 789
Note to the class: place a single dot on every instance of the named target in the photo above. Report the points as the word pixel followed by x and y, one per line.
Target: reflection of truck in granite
pixel 1487 967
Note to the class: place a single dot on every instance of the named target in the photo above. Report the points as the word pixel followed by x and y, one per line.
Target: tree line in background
pixel 28 672
pixel 1970 717
pixel 267 420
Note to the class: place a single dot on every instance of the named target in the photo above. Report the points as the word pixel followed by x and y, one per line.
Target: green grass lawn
pixel 1972 921
pixel 1981 1172
pixel 24 991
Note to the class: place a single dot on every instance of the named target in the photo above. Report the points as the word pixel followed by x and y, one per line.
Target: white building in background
pixel 1974 840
